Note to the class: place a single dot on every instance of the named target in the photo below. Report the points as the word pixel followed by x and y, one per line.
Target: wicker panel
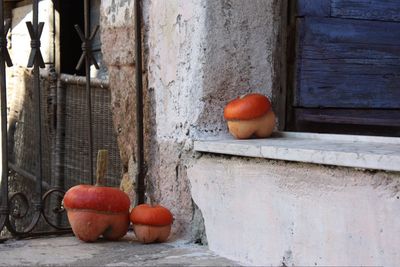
pixel 64 140
pixel 23 146
pixel 76 145
pixel 22 130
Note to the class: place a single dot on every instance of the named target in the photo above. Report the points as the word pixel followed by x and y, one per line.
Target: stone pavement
pixel 69 251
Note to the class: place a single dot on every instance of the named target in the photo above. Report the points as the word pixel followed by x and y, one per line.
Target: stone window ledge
pixel 366 152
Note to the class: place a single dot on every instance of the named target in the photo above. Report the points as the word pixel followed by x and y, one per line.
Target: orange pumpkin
pixel 250 115
pixel 151 223
pixel 95 211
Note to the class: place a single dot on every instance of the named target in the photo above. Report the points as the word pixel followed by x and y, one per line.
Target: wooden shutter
pixel 346 68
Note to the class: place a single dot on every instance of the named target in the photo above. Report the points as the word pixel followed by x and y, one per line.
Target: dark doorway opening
pixel 71 13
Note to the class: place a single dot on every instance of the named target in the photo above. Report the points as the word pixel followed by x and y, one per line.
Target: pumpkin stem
pixel 150 198
pixel 101 169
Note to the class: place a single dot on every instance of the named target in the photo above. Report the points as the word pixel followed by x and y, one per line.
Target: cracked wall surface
pixel 118 42
pixel 199 54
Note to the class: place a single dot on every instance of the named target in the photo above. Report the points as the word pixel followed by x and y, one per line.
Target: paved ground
pixel 67 250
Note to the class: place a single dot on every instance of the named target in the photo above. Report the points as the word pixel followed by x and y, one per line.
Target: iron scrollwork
pixel 18 213
pixel 58 210
pixel 19 208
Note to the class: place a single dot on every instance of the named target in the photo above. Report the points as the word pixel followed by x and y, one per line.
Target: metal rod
pixel 38 107
pixel 140 186
pixel 60 140
pixel 27 175
pixel 88 91
pixel 3 103
pixel 79 80
pixel 36 61
pixel 87 55
pixel 60 135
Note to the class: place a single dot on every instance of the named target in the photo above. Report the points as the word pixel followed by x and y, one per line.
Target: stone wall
pixel 117 38
pixel 199 54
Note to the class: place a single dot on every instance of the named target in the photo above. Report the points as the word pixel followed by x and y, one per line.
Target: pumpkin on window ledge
pixel 250 115
pixel 96 210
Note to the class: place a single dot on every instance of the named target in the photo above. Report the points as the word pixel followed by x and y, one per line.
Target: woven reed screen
pixel 22 144
pixel 22 132
pixel 75 158
pixel 64 137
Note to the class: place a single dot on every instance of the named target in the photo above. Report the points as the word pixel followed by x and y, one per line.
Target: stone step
pixel 68 250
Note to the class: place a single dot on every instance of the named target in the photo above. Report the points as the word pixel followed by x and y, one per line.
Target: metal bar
pixel 60 135
pixel 141 172
pixel 38 108
pixel 79 80
pixel 35 60
pixel 3 102
pixel 27 175
pixel 87 39
pixel 60 139
pixel 88 91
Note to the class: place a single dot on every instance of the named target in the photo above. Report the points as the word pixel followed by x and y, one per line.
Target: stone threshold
pixel 366 152
pixel 69 251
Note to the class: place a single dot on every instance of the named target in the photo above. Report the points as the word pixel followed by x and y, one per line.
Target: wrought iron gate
pixel 41 212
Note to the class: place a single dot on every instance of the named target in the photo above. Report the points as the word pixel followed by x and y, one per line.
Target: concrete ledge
pixel 276 213
pixel 367 152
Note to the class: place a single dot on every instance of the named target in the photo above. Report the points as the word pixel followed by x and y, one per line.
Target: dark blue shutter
pixel 346 71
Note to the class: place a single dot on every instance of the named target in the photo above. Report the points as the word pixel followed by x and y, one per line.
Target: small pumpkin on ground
pixel 151 223
pixel 95 211
pixel 250 115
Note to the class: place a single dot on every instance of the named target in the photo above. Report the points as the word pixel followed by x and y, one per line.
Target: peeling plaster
pixel 117 13
pixel 198 55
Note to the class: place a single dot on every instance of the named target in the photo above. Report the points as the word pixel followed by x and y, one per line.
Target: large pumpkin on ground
pixel 250 115
pixel 95 211
pixel 151 223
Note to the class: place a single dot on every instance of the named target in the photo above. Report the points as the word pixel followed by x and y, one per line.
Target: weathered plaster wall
pixel 201 54
pixel 273 213
pixel 20 40
pixel 117 37
pixel 175 38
